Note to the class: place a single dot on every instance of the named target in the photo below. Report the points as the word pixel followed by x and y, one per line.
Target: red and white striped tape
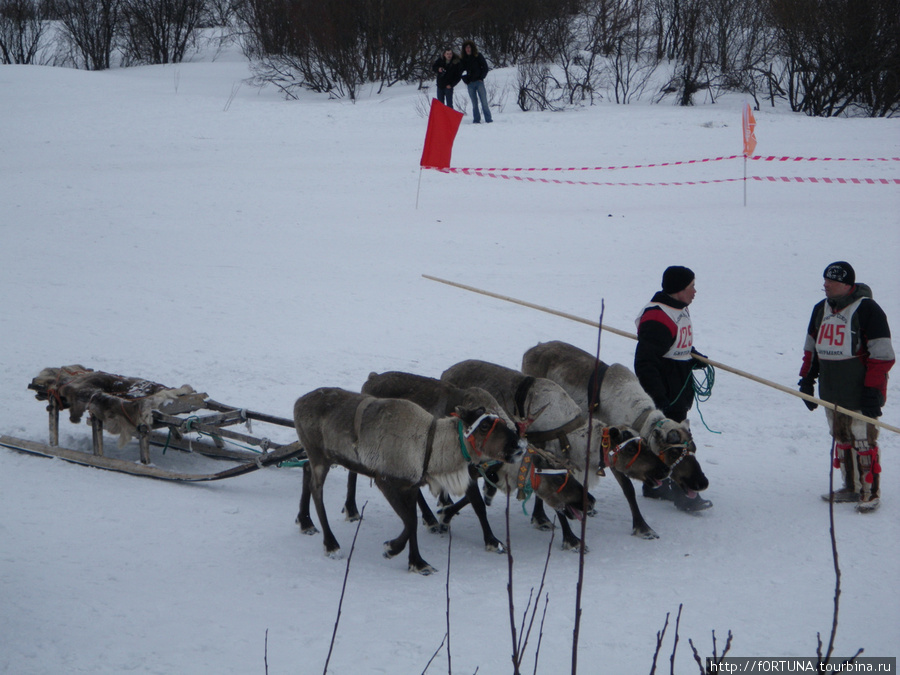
pixel 598 168
pixel 771 179
pixel 771 158
pixel 841 181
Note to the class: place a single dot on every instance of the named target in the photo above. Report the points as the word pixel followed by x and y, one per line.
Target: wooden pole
pixel 703 359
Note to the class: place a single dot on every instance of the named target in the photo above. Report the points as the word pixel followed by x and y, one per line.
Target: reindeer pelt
pixel 121 403
pixel 437 397
pixel 398 444
pixel 621 398
pixel 539 397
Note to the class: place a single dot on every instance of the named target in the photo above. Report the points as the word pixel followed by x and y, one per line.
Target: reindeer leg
pixel 570 541
pixel 473 494
pixel 539 517
pixel 489 492
pixel 317 480
pixel 448 512
pixel 402 499
pixel 350 510
pixel 303 519
pixel 428 517
pixel 640 528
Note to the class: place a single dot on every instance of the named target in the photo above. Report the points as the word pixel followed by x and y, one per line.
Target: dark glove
pixel 870 403
pixel 697 364
pixel 808 387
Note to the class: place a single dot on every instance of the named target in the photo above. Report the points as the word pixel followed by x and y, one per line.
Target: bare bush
pixel 159 31
pixel 91 29
pixel 23 26
pixel 839 56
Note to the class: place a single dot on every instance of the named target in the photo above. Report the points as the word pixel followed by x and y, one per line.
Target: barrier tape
pixel 773 158
pixel 601 168
pixel 771 179
pixel 842 181
pixel 770 158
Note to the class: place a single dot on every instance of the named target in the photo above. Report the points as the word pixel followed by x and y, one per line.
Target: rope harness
pixel 612 453
pixel 529 478
pixel 465 437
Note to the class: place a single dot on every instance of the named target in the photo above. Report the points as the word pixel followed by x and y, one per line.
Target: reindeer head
pixel 553 480
pixel 489 436
pixel 674 445
pixel 625 451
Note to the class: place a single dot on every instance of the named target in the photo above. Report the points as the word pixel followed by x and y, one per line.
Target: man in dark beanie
pixel 848 349
pixel 664 365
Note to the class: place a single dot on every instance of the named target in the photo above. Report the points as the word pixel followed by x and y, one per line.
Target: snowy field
pixel 174 224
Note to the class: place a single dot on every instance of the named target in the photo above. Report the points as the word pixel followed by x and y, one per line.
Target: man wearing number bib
pixel 664 365
pixel 848 348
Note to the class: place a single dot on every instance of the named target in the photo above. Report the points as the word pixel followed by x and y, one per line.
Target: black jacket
pixel 452 72
pixel 473 65
pixel 842 381
pixel 667 381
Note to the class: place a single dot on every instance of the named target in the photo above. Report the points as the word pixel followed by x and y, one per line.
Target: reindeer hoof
pixel 438 528
pixel 645 534
pixel 494 547
pixel 351 517
pixel 390 550
pixel 574 546
pixel 543 525
pixel 335 554
pixel 308 529
pixel 422 568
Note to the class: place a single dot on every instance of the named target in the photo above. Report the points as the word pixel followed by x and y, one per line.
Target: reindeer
pixel 614 393
pixel 543 474
pixel 554 419
pixel 400 446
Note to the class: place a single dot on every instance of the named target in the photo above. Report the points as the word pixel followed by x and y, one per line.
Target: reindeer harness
pixel 529 478
pixel 466 436
pixel 685 446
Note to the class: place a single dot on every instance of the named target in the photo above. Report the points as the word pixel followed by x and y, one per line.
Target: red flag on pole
pixel 443 123
pixel 749 124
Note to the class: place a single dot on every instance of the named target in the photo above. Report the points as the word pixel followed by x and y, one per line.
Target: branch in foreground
pixel 584 503
pixel 337 619
pixel 660 635
pixel 525 633
pixel 509 591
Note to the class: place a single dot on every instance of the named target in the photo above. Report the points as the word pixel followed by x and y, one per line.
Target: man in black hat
pixel 848 348
pixel 664 365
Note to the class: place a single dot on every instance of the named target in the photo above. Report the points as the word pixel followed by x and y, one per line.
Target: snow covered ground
pixel 175 224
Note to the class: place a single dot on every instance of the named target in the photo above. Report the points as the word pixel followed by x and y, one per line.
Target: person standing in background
pixel 848 349
pixel 475 69
pixel 448 70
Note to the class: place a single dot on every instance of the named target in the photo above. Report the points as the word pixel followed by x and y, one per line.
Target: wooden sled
pixel 180 412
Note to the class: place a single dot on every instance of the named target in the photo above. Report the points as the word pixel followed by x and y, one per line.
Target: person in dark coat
pixel 848 349
pixel 448 70
pixel 475 69
pixel 663 363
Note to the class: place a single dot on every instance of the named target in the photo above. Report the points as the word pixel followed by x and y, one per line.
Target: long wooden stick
pixel 703 359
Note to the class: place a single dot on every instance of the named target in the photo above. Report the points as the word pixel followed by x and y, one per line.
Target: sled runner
pixel 153 414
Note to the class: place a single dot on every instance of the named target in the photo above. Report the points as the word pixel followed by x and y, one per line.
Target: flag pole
pixel 702 359
pixel 745 180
